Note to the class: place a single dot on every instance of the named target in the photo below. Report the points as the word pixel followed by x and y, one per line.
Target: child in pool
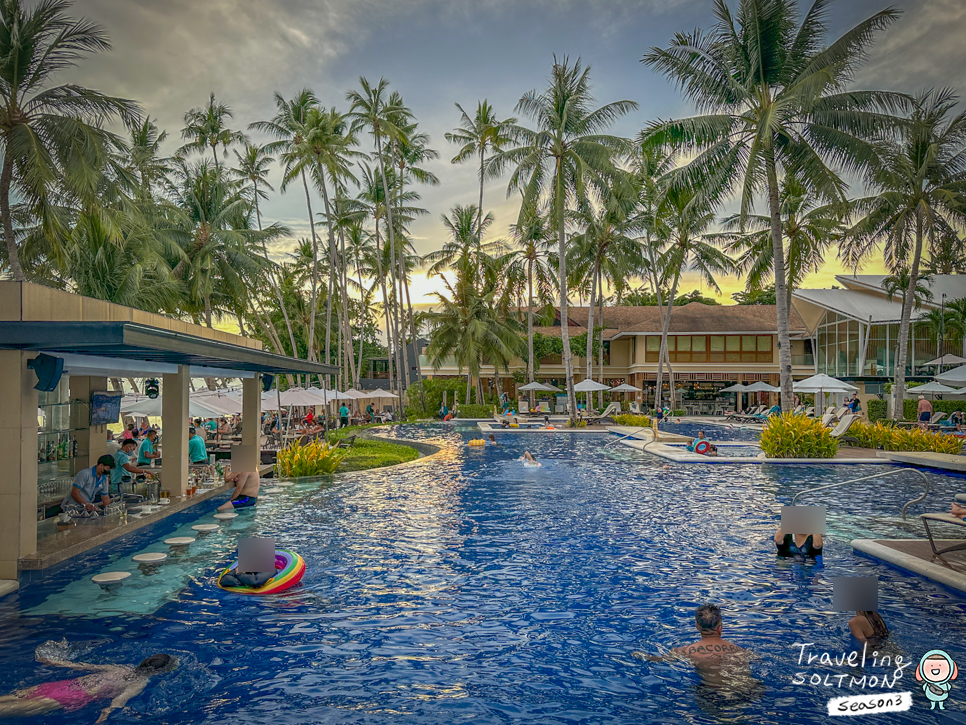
pixel 115 682
pixel 529 461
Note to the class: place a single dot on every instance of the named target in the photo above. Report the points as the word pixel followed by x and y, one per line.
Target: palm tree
pixel 464 243
pixel 205 128
pixel 50 134
pixel 533 240
pixel 946 328
pixel 143 160
pixel 920 181
pixel 689 213
pixel 777 102
pixel 947 255
pixel 564 155
pixel 288 126
pixel 809 228
pixel 478 135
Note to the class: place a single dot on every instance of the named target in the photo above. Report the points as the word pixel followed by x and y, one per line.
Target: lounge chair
pixel 843 425
pixel 936 419
pixel 523 407
pixel 828 418
pixel 798 410
pixel 810 412
pixel 635 408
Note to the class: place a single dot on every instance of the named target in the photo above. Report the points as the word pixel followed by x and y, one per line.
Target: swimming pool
pixel 713 431
pixel 467 588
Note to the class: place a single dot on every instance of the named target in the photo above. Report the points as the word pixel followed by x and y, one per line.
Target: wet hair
pixel 492 437
pixel 879 627
pixel 707 617
pixel 156 663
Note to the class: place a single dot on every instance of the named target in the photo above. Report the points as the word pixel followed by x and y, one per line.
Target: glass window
pixel 699 344
pixel 683 344
pixel 764 343
pixel 732 343
pixel 653 344
pixel 748 343
pixel 717 343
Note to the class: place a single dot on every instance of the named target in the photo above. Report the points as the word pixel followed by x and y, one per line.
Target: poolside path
pixel 915 555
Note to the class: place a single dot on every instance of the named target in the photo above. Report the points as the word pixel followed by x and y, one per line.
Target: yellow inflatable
pixel 477 442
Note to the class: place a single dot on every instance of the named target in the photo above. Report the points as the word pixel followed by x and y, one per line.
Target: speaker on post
pixel 267 381
pixel 152 388
pixel 49 370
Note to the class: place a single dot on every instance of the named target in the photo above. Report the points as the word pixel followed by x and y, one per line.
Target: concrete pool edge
pixel 911 564
pixel 8 586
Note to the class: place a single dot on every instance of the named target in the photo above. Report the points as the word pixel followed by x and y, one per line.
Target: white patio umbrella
pixel 302 397
pixel 932 388
pixel 589 386
pixel 625 388
pixel 534 386
pixel 227 404
pixel 353 394
pixel 551 388
pixel 821 384
pixel 947 359
pixel 379 393
pixel 196 409
pixel 737 389
pixel 956 376
pixel 760 387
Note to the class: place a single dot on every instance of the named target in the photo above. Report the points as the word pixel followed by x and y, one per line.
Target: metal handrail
pixel 866 478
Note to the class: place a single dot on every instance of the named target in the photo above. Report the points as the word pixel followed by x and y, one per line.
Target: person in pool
pixel 492 441
pixel 529 460
pixel 800 547
pixel 115 682
pixel 246 490
pixel 868 626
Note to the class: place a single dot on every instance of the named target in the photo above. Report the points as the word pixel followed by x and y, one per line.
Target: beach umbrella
pixel 625 388
pixel 551 388
pixel 956 376
pixel 302 397
pixel 761 388
pixel 589 386
pixel 152 408
pixel 737 389
pixel 820 384
pixel 947 359
pixel 932 388
pixel 353 394
pixel 533 386
pixel 228 405
pixel 378 394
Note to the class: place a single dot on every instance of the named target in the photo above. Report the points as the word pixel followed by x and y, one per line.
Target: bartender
pixel 88 484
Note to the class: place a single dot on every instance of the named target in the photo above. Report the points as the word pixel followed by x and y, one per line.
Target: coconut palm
pixel 564 156
pixel 920 195
pixel 51 135
pixel 809 228
pixel 464 243
pixel 777 102
pixel 478 136
pixel 143 161
pixel 946 328
pixel 205 128
pixel 947 255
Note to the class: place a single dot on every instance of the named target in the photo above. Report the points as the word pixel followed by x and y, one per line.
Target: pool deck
pixel 944 461
pixel 915 556
pixel 643 440
pixel 8 586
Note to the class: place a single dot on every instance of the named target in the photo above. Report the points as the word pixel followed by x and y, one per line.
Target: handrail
pixel 629 435
pixel 866 478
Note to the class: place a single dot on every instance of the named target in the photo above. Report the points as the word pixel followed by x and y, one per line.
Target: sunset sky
pixel 170 54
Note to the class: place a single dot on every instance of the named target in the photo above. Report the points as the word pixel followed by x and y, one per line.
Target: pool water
pixel 713 431
pixel 467 588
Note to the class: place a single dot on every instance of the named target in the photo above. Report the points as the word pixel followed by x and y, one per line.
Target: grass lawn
pixel 366 454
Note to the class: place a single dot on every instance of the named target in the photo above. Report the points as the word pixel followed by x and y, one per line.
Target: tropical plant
pixel 205 128
pixel 629 419
pixel 796 436
pixel 477 136
pixel 315 458
pixel 564 156
pixel 52 136
pixel 919 180
pixel 877 409
pixel 776 101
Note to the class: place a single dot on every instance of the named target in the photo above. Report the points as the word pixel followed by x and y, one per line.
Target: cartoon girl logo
pixel 936 671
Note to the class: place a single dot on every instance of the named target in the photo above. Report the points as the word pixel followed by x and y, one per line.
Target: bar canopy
pixel 133 341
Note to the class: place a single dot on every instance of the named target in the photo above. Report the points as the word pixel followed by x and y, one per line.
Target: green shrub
pixel 679 412
pixel 632 420
pixel 886 437
pixel 795 436
pixel 314 458
pixel 876 435
pixel 432 393
pixel 475 411
pixel 877 410
pixel 945 406
pixel 577 423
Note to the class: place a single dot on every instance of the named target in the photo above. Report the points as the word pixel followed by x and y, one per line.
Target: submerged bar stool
pixel 149 563
pixel 110 581
pixel 179 543
pixel 205 529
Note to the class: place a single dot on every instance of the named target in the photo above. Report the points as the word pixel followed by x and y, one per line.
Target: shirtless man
pixel 712 649
pixel 246 490
pixel 114 682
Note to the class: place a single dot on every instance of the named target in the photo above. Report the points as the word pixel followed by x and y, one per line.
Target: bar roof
pixel 133 341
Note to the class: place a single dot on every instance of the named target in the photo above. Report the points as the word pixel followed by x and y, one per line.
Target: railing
pixel 803 360
pixel 877 476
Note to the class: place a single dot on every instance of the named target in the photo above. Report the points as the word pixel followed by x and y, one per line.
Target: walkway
pixel 944 461
pixel 915 556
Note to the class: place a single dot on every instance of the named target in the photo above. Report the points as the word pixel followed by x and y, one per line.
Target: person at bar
pixel 197 453
pixel 124 469
pixel 147 451
pixel 90 483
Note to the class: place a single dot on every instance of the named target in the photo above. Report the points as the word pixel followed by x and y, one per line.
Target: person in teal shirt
pixel 146 452
pixel 124 468
pixel 343 416
pixel 197 453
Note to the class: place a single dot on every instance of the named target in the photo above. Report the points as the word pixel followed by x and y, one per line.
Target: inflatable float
pixel 289 570
pixel 702 447
pixel 477 442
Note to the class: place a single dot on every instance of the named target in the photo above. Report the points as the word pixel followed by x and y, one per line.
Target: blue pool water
pixel 713 431
pixel 465 588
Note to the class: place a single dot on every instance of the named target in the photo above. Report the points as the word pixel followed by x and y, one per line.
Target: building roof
pixel 854 304
pixel 131 341
pixel 692 318
pixel 951 285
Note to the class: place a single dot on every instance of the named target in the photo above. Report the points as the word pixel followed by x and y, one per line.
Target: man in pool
pixel 246 490
pixel 114 682
pixel 712 649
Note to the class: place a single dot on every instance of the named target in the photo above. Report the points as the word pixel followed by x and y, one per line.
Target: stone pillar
pixel 91 440
pixel 18 451
pixel 250 454
pixel 174 427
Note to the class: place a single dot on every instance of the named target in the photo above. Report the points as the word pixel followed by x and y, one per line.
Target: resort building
pixel 849 333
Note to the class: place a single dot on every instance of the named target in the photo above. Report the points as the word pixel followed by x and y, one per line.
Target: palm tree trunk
pixel 589 362
pixel 562 273
pixel 600 349
pixel 241 324
pixel 208 311
pixel 663 355
pixel 332 272
pixel 480 212
pixel 412 326
pixel 899 377
pixel 531 367
pixel 392 233
pixel 13 254
pixel 310 354
pixel 361 320
pixel 781 295
pixel 385 304
pixel 344 276
pixel 469 384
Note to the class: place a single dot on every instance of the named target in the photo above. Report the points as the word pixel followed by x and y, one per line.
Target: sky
pixel 170 54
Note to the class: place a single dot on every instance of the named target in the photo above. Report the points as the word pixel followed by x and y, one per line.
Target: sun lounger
pixel 936 418
pixel 946 519
pixel 635 408
pixel 827 419
pixel 843 425
pixel 810 412
pixel 523 407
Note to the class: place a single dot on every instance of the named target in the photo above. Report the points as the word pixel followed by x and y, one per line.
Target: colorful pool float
pixel 477 442
pixel 702 447
pixel 289 570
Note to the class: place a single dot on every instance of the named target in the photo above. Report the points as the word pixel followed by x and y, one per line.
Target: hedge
pixel 475 411
pixel 878 409
pixel 938 406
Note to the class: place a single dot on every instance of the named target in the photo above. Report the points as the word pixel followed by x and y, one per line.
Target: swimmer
pixel 246 490
pixel 529 460
pixel 800 547
pixel 666 467
pixel 492 441
pixel 867 626
pixel 115 682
